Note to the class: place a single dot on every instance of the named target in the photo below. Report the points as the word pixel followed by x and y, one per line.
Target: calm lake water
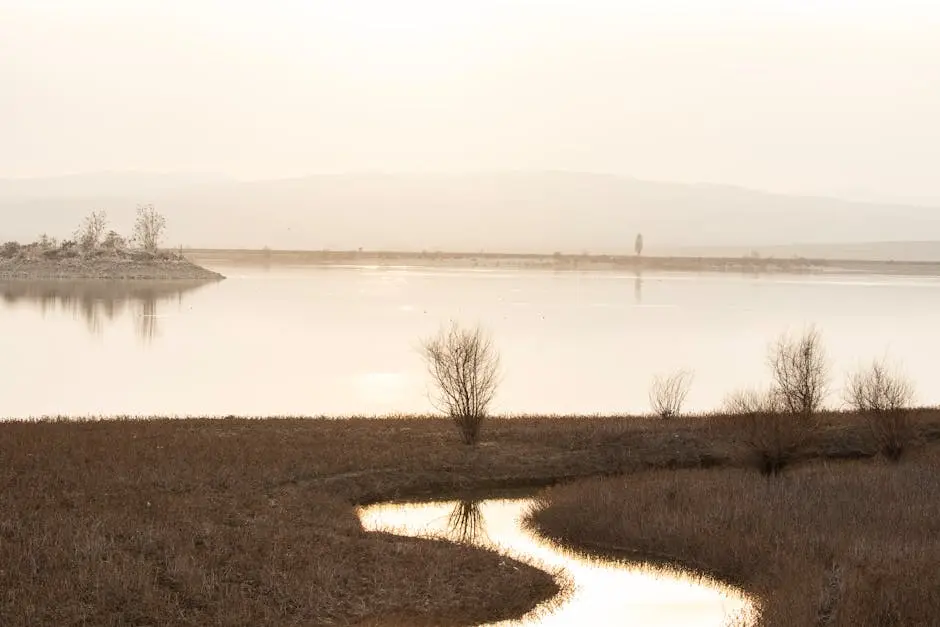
pixel 602 592
pixel 312 341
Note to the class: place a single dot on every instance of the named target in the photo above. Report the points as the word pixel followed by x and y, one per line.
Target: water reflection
pixel 99 303
pixel 465 523
pixel 604 592
pixel 565 339
pixel 638 287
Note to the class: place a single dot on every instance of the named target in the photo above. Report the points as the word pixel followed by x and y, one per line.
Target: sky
pixel 799 96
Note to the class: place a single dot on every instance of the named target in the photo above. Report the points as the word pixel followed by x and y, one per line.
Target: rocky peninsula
pixel 117 265
pixel 97 253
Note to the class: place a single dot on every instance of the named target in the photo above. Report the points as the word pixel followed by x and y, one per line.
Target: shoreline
pixel 563 262
pixel 114 269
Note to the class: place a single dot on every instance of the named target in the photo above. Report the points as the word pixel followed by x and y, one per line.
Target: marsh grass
pixel 852 544
pixel 239 521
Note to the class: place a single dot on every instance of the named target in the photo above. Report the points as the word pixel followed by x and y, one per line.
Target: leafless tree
pixel 884 395
pixel 800 370
pixel 464 369
pixel 878 388
pixel 89 233
pixel 149 228
pixel 668 393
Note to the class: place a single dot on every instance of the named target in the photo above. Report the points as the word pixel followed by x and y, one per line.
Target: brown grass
pixel 239 521
pixel 854 544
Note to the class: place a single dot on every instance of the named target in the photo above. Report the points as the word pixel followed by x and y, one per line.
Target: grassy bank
pixel 252 521
pixel 852 544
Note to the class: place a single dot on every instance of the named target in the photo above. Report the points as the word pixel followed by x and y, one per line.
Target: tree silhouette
pixel 638 245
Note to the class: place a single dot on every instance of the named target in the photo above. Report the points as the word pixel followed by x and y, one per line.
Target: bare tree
pixel 884 395
pixel 800 371
pixel 464 369
pixel 878 388
pixel 88 235
pixel 149 228
pixel 668 393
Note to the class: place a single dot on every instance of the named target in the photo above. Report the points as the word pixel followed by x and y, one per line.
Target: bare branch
pixel 800 371
pixel 878 387
pixel 884 395
pixel 464 369
pixel 149 228
pixel 668 393
pixel 749 402
pixel 89 233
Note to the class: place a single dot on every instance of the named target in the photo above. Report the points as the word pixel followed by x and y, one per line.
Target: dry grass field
pixel 237 521
pixel 854 544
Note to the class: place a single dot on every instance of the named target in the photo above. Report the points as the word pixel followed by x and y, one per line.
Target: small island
pixel 97 253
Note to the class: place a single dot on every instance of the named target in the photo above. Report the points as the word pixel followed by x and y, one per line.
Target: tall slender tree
pixel 638 244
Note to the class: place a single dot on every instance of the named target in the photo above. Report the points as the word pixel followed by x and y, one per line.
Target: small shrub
pixel 46 243
pixel 89 233
pixel 668 393
pixel 749 402
pixel 10 250
pixel 142 255
pixel 67 250
pixel 885 397
pixel 774 439
pixel 772 434
pixel 114 242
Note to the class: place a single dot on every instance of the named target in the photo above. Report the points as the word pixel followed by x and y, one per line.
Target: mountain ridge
pixel 510 211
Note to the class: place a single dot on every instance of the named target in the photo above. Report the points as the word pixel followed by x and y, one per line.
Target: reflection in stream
pixel 465 523
pixel 605 592
pixel 99 303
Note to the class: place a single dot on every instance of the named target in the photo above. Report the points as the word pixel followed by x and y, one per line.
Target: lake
pixel 284 340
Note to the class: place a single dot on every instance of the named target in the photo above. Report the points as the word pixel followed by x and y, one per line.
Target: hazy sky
pixel 789 95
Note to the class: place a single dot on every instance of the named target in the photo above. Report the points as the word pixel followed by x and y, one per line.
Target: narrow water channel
pixel 604 592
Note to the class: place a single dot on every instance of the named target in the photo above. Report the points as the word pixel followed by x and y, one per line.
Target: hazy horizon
pixel 538 212
pixel 859 195
pixel 828 98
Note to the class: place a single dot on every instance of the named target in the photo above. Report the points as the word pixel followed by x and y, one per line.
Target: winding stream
pixel 604 592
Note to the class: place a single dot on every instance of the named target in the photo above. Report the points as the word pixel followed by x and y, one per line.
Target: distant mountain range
pixel 507 212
